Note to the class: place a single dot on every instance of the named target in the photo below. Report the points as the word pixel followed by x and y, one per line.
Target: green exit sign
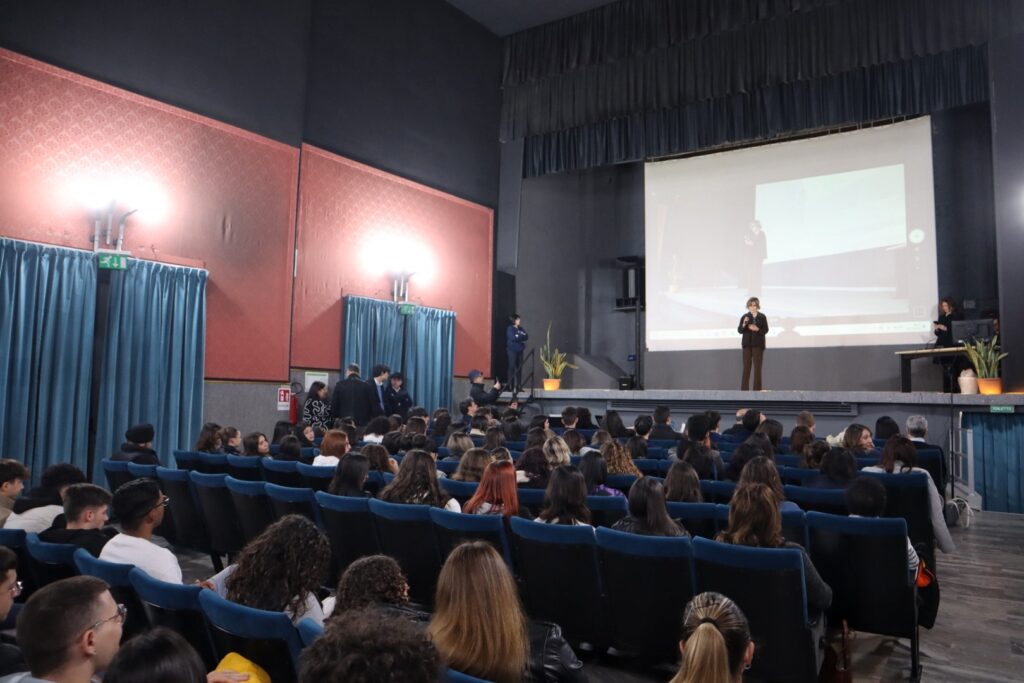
pixel 1000 409
pixel 112 262
pixel 406 309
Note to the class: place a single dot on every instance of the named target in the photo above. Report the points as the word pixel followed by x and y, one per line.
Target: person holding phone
pixel 754 327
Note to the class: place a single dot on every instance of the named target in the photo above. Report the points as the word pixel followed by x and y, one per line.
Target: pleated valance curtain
pixel 47 320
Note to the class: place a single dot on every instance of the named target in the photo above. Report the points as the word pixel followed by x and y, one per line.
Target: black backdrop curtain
pixel 645 78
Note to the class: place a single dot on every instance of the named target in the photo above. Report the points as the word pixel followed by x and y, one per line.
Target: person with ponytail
pixel 716 644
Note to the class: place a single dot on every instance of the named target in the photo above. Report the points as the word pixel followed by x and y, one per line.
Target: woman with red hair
pixel 496 494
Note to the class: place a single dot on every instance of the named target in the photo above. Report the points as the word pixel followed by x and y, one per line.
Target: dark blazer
pixel 514 338
pixel 754 340
pixel 137 454
pixel 660 432
pixel 944 338
pixel 375 400
pixel 482 396
pixel 351 398
pixel 397 402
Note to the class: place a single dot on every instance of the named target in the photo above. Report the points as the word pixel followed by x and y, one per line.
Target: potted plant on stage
pixel 985 357
pixel 554 364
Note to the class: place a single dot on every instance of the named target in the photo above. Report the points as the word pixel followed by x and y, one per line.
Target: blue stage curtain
pixel 373 334
pixel 153 359
pixel 998 459
pixel 47 319
pixel 429 357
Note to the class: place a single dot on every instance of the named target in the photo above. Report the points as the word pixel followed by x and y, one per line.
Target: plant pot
pixel 968 385
pixel 552 384
pixel 990 386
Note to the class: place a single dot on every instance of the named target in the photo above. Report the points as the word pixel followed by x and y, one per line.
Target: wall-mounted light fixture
pixel 400 257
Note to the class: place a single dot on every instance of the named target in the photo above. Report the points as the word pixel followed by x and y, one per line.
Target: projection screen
pixel 834 234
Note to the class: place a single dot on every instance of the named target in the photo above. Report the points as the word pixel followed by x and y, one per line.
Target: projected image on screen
pixel 834 234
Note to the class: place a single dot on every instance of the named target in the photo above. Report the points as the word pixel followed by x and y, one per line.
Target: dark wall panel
pixel 408 87
pixel 242 62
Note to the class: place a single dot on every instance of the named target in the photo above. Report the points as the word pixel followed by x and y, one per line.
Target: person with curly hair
pixel 280 570
pixel 617 458
pixel 416 484
pixel 372 581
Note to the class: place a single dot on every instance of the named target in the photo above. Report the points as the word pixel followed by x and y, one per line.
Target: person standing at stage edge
pixel 753 326
pixel 515 335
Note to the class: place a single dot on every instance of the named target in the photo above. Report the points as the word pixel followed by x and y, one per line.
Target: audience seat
pixel 316 477
pixel 448 466
pixel 783 460
pixel 406 533
pixel 650 580
pixel 266 638
pixel 623 482
pixel 531 499
pixel 453 528
pixel 459 490
pixel 832 501
pixel 252 506
pixel 189 522
pixel 185 460
pixel 700 519
pixel 453 676
pixel 117 576
pixel 219 511
pixel 717 491
pixel 768 585
pixel 375 481
pixel 175 606
pixel 309 631
pixel 281 472
pixel 116 472
pixel 137 471
pixel 561 578
pixel 797 476
pixel 907 497
pixel 794 527
pixel 606 510
pixel 350 528
pixel 212 463
pixel 649 466
pixel 245 467
pixel 50 562
pixel 287 500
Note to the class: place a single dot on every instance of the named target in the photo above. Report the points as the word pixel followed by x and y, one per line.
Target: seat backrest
pixel 245 467
pixel 288 500
pixel 189 522
pixel 459 490
pixel 252 506
pixel 794 527
pixel 116 472
pixel 281 472
pixel 453 528
pixel 532 499
pixel 117 576
pixel 212 463
pixel 832 501
pixel 137 471
pixel 717 491
pixel 797 475
pixel 50 562
pixel 561 577
pixel 186 460
pixel 788 461
pixel 606 510
pixel 349 526
pixel 219 512
pixel 316 477
pixel 650 581
pixel 649 466
pixel 700 519
pixel 449 467
pixel 768 585
pixel 623 482
pixel 453 676
pixel 907 497
pixel 309 631
pixel 406 533
pixel 266 638
pixel 175 606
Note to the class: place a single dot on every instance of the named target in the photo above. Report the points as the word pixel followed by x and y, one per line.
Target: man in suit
pixel 481 395
pixel 378 403
pixel 662 429
pixel 351 397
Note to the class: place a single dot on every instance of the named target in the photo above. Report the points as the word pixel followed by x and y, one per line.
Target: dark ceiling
pixel 503 17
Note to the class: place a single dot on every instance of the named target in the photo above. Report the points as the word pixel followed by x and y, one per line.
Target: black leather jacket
pixel 551 658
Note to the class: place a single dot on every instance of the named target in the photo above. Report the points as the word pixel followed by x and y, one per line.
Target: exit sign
pixel 112 261
pixel 406 309
pixel 1000 409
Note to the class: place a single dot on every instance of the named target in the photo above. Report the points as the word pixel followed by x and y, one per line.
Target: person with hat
pixel 480 394
pixel 138 446
pixel 139 506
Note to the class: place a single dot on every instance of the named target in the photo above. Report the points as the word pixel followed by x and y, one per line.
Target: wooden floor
pixel 979 635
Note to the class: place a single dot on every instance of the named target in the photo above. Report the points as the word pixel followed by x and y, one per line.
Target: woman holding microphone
pixel 753 326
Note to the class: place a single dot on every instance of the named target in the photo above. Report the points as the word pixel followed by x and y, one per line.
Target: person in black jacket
pixel 662 429
pixel 351 397
pixel 480 394
pixel 396 398
pixel 375 388
pixel 515 336
pixel 943 328
pixel 138 446
pixel 753 326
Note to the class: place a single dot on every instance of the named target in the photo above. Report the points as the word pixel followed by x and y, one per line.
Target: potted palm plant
pixel 985 357
pixel 554 362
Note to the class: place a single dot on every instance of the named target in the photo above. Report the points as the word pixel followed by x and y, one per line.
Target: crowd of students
pixel 477 624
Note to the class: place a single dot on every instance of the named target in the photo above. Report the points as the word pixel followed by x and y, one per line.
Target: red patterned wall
pixel 353 221
pixel 208 192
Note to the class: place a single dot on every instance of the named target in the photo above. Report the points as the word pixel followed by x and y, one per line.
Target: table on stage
pixel 907 356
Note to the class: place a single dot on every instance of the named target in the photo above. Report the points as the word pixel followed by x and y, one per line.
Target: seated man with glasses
pixel 10 588
pixel 139 506
pixel 68 631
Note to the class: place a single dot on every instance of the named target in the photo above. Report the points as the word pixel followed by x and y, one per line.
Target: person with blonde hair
pixel 479 626
pixel 716 644
pixel 472 465
pixel 556 451
pixel 457 444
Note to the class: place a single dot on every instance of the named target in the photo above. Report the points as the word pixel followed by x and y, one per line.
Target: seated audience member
pixel 642 426
pixel 647 513
pixel 38 509
pixel 535 437
pixel 885 427
pixel 755 520
pixel 613 424
pixel 371 646
pixel 716 643
pixel 209 439
pixel 416 484
pixel 256 444
pixel 575 441
pixel 799 439
pixel 138 446
pixel 636 446
pixel 595 473
pixel 696 433
pixel 332 449
pixel 415 425
pixel 917 428
pixel 480 628
pixel 761 470
pixel 457 445
pixel 380 460
pixel 371 581
pixel 305 434
pixel 900 457
pixel 11 660
pixel 392 442
pixel 773 430
pixel 440 424
pixel 540 422
pixel 742 454
pixel 565 499
pixel 350 476
pixel 737 430
pixel 282 429
pixel 761 440
pixel 617 459
pixel 289 449
pixel 69 631
pixel 805 419
pixel 838 469
pixel 85 512
pixel 467 410
pixel 704 461
pixel 599 439
pixel 472 465
pixel 857 438
pixel 662 428
pixel 532 469
pixel 556 451
pixel 866 497
pixel 497 493
pixel 348 426
pixel 570 416
pixel 813 453
pixel 584 419
pixel 494 438
pixel 231 440
pixel 376 429
pixel 479 424
pixel 280 570
pixel 162 656
pixel 502 453
pixel 412 442
pixel 140 506
pixel 511 428
pixel 682 485
pixel 714 421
